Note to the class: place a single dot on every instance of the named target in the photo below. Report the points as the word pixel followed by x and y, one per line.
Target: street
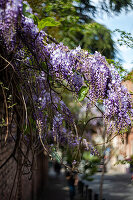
pixel 115 187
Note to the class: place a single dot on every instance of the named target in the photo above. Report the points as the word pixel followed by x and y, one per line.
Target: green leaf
pixel 5 88
pixel 56 156
pixel 12 105
pixel 29 15
pixel 36 20
pixel 25 13
pixel 44 66
pixel 48 21
pixel 82 93
pixel 25 7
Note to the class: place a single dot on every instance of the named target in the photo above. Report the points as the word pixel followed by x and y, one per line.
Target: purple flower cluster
pixel 9 19
pixel 51 112
pixel 64 65
pixel 78 67
pixel 118 110
pixel 73 65
pixel 73 68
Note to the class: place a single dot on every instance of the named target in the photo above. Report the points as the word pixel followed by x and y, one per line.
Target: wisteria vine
pixel 42 66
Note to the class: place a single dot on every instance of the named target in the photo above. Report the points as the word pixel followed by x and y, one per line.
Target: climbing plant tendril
pixel 36 71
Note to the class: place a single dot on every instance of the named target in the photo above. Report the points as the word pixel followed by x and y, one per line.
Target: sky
pixel 123 22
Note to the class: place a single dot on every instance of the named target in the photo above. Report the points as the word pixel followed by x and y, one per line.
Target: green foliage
pixel 25 8
pixel 2 85
pixel 89 9
pixel 129 76
pixel 36 5
pixel 126 161
pixel 55 155
pixel 48 21
pixel 117 5
pixel 82 93
pixel 12 105
pixel 29 15
pixel 90 164
pixel 97 37
pixel 74 28
pixel 3 123
pixel 123 162
pixel 71 154
pixel 126 38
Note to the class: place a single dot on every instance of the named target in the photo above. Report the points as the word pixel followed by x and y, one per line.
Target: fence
pixel 87 193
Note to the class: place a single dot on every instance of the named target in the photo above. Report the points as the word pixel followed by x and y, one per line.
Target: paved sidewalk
pixel 56 188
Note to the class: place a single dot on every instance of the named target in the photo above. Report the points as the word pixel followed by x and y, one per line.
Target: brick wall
pixel 17 186
pixel 7 172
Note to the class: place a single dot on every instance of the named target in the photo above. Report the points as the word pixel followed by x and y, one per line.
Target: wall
pixel 14 185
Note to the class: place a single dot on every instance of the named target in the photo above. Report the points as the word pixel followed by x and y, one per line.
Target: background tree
pixel 78 26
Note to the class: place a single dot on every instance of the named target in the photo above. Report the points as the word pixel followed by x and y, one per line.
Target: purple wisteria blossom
pixel 9 19
pixel 73 68
pixel 102 79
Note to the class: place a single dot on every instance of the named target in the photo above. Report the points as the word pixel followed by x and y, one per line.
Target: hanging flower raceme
pixel 72 65
pixel 102 80
pixel 74 69
pixel 10 11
